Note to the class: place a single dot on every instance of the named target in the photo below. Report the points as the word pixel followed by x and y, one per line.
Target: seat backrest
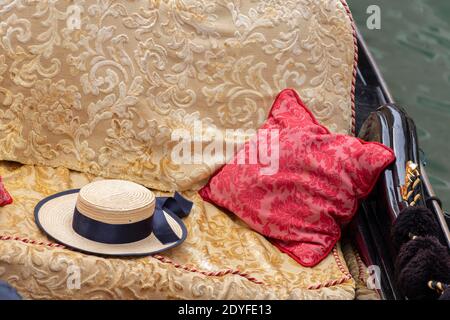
pixel 101 86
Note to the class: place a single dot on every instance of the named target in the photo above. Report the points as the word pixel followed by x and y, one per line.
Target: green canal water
pixel 412 49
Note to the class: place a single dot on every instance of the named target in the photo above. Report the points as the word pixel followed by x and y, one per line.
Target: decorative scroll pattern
pixel 104 96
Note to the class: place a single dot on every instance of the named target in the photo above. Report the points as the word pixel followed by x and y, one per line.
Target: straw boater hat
pixel 114 217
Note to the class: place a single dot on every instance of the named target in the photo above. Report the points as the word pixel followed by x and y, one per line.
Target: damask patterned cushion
pixel 5 197
pixel 319 179
pixel 100 86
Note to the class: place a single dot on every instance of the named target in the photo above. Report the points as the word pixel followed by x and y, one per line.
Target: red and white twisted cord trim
pixel 355 65
pixel 163 259
pixel 346 275
pixel 220 273
pixel 25 240
pixel 361 267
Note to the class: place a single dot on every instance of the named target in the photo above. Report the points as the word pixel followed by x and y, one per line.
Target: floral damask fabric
pixel 100 86
pixel 321 177
pixel 216 241
pixel 5 197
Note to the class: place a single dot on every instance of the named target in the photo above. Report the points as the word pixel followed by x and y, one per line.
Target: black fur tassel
pixel 418 221
pixel 411 248
pixel 424 264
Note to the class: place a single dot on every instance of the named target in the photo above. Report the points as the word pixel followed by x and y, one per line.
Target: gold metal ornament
pixel 410 190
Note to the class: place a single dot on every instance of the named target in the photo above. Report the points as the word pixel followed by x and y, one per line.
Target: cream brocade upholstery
pixel 105 99
pixel 216 241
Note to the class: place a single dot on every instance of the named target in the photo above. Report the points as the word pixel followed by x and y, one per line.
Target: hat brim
pixel 54 215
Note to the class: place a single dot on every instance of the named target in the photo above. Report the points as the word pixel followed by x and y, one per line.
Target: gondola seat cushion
pixel 301 202
pixel 222 258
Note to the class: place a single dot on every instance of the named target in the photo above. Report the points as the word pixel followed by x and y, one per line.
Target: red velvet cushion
pixel 320 179
pixel 5 198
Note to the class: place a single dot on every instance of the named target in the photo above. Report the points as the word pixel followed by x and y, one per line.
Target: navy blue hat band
pixel 131 232
pixel 110 233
